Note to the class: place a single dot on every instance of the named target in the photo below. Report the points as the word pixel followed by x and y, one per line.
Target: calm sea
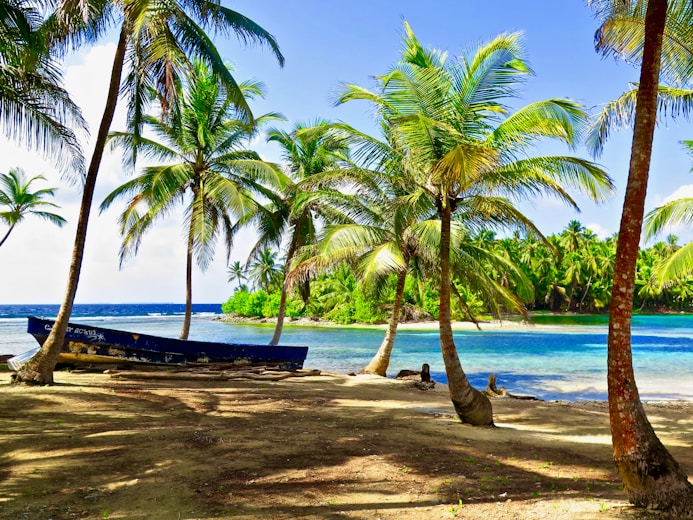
pixel 557 358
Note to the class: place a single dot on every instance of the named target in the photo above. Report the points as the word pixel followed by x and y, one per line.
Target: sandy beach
pixel 317 447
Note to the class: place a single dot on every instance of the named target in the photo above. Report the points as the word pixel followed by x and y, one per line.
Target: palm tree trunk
pixel 39 369
pixel 7 234
pixel 378 365
pixel 587 290
pixel 185 332
pixel 651 476
pixel 572 292
pixel 471 406
pixel 281 313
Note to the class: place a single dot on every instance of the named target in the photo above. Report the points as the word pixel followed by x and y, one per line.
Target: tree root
pixel 499 393
pixel 207 375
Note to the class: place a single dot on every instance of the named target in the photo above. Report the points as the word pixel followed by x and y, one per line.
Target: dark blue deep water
pixel 560 357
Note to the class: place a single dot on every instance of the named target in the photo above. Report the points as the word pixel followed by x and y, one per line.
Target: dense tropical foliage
pixel 563 280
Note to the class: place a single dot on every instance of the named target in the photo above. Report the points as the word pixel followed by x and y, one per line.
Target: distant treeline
pixel 571 271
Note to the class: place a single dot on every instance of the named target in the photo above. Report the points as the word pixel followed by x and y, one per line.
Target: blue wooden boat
pixel 87 344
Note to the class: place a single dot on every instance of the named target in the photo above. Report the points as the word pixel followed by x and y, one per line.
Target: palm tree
pixel 573 237
pixel 156 39
pixel 309 150
pixel 264 270
pixel 451 119
pixel 652 477
pixel 400 235
pixel 388 234
pixel 237 273
pixel 20 202
pixel 208 171
pixel 389 245
pixel 34 107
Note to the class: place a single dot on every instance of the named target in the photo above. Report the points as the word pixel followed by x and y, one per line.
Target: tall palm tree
pixel 208 170
pixel 20 202
pixel 156 39
pixel 34 107
pixel 451 119
pixel 308 151
pixel 635 30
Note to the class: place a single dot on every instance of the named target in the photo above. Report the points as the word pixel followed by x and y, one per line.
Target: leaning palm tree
pixel 452 120
pixel 636 31
pixel 301 204
pixel 19 202
pixel 156 40
pixel 208 170
pixel 35 109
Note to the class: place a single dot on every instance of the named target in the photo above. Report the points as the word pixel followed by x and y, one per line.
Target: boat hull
pixel 86 344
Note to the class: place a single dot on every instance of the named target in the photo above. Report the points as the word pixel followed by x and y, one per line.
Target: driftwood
pixel 208 375
pixel 493 391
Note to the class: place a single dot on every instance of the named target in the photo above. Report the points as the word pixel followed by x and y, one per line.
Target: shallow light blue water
pixel 564 361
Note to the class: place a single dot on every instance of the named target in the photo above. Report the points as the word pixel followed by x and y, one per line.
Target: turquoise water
pixel 559 358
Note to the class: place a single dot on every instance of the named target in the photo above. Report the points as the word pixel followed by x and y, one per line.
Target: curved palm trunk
pixel 39 370
pixel 185 332
pixel 378 365
pixel 651 476
pixel 471 406
pixel 7 234
pixel 281 313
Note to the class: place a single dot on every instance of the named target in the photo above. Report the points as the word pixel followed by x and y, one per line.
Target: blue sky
pixel 326 44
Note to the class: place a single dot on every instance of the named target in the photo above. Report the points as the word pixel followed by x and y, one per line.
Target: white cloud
pixel 599 230
pixel 682 192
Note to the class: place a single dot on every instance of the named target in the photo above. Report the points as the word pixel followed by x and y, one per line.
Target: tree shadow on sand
pixel 324 447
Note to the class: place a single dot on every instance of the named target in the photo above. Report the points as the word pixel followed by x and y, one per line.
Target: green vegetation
pixel 571 271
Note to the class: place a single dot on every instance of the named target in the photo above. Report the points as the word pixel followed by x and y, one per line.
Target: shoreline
pixel 411 325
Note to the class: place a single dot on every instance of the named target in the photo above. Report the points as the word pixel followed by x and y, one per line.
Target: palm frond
pixel 676 212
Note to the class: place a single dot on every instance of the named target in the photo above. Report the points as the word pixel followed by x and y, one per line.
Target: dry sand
pixel 319 447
